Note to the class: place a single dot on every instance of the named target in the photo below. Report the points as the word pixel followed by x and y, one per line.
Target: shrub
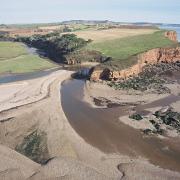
pixel 137 117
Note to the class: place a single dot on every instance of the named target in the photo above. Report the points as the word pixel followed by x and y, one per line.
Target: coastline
pixel 65 148
pixel 145 103
pixel 69 156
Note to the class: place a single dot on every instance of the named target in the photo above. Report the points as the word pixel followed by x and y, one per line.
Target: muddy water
pixel 101 128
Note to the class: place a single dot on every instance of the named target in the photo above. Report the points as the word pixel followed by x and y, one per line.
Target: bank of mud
pixel 69 156
pixel 102 128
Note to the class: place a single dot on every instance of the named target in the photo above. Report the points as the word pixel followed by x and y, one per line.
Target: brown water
pixel 101 128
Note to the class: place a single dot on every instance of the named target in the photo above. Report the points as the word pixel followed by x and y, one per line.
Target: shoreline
pixel 100 95
pixel 62 141
pixel 69 155
pixel 147 103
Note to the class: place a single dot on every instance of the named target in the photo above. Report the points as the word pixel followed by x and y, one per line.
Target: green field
pixel 14 58
pixel 123 48
pixel 11 50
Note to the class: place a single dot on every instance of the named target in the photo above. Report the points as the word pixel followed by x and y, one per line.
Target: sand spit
pixel 35 105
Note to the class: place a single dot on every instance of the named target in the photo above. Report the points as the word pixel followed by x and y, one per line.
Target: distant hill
pixel 87 22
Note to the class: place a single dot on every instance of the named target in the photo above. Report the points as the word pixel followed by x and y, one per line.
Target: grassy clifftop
pixel 123 48
pixel 123 45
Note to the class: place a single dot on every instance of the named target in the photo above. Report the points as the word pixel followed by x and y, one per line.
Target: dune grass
pixel 123 48
pixel 14 58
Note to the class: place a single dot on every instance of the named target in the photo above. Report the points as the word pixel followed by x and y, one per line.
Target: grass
pixel 15 59
pixel 123 48
pixel 11 50
pixel 99 36
pixel 24 64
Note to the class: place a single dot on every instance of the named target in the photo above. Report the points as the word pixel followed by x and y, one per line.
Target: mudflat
pixel 110 129
pixel 33 117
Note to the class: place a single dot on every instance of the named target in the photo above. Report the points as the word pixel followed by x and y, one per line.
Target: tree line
pixel 55 45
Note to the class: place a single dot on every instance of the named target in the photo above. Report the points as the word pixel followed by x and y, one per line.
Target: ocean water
pixel 175 28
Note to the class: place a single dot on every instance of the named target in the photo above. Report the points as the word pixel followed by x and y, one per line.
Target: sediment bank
pixel 69 155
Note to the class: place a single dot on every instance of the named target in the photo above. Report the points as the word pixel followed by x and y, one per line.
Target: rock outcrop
pixel 71 61
pixel 167 55
pixel 172 35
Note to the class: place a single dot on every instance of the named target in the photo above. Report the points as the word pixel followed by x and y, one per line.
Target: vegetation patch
pixel 166 120
pixel 34 146
pixel 152 78
pixel 80 56
pixel 55 45
pixel 169 118
pixel 123 48
pixel 24 64
pixel 114 48
pixel 136 117
pixel 104 33
pixel 11 50
pixel 14 58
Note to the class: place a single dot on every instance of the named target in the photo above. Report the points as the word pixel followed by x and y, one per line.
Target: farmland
pixel 122 45
pixel 11 50
pixel 122 48
pixel 111 34
pixel 14 58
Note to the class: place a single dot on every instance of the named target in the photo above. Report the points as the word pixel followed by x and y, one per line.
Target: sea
pixel 172 27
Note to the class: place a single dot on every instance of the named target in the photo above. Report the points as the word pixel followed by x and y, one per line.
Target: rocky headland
pixel 38 142
pixel 154 56
pixel 154 78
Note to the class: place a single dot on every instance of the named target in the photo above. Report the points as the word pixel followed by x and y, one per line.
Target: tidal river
pixel 100 127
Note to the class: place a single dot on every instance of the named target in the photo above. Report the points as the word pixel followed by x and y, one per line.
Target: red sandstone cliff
pixel 150 57
pixel 172 35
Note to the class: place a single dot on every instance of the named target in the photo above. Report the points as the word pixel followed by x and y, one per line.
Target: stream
pixel 100 128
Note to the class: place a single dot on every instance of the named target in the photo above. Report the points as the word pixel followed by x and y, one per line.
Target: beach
pixel 35 105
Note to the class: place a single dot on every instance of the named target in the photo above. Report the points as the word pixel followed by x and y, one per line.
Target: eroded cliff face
pixel 166 55
pixel 158 55
pixel 172 35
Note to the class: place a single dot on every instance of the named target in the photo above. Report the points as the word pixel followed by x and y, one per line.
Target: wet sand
pixel 100 127
pixel 70 156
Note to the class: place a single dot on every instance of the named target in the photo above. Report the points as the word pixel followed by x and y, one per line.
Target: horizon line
pixel 58 22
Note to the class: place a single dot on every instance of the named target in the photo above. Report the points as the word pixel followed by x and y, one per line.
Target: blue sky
pixel 34 11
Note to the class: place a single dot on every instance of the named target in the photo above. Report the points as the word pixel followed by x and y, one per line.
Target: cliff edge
pixel 158 55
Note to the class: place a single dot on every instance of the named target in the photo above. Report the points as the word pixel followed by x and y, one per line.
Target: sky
pixel 43 11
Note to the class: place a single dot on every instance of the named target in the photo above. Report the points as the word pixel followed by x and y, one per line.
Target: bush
pixel 54 45
pixel 137 117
